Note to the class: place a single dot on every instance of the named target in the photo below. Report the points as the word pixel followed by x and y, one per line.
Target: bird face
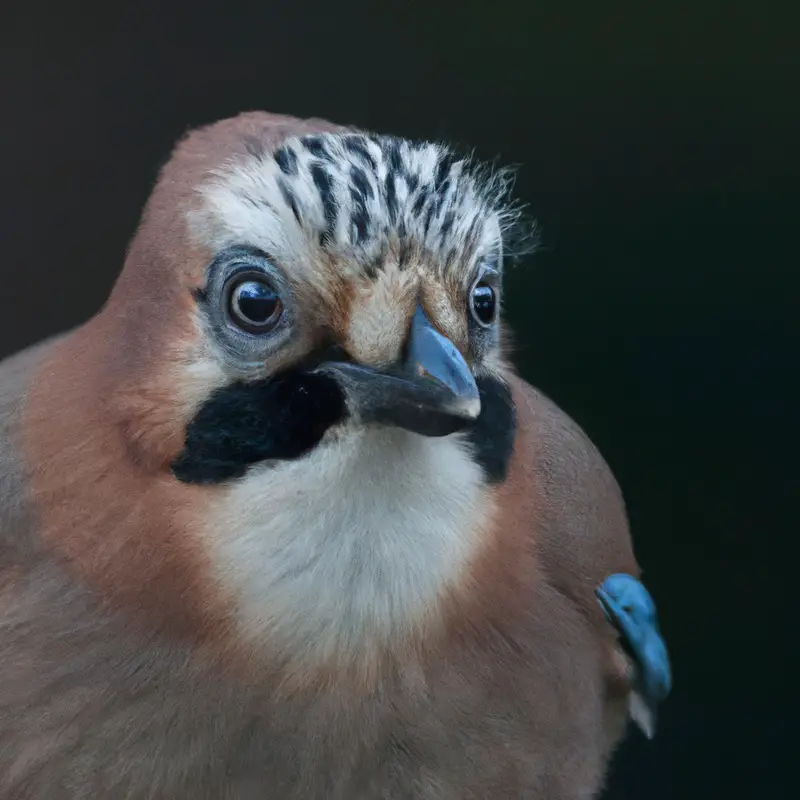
pixel 370 267
pixel 313 344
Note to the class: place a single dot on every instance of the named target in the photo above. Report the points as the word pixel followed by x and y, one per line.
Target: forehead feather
pixel 360 199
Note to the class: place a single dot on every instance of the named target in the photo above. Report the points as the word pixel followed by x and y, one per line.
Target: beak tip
pixel 470 407
pixel 462 397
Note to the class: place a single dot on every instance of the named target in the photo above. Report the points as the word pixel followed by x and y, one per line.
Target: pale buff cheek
pixel 155 415
pixel 156 406
pixel 198 380
pixel 195 369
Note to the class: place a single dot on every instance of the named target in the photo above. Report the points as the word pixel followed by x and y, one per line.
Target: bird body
pixel 281 520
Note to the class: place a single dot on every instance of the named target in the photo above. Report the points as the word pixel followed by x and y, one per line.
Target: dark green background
pixel 658 144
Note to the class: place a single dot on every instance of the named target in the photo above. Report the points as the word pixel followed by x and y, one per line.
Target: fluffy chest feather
pixel 350 547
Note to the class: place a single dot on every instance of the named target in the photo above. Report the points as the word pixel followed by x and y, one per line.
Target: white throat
pixel 351 545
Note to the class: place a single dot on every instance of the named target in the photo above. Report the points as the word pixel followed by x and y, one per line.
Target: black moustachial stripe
pixel 492 434
pixel 245 423
pixel 285 417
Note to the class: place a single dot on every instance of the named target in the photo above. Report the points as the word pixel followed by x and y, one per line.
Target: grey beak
pixel 432 392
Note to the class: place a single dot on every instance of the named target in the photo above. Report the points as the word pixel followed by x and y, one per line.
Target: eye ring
pixel 252 303
pixel 483 305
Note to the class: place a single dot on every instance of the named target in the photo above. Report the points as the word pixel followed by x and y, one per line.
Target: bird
pixel 281 520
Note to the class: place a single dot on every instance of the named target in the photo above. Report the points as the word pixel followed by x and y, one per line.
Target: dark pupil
pixel 483 303
pixel 256 302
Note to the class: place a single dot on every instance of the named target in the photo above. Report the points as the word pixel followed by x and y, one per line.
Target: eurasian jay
pixel 281 521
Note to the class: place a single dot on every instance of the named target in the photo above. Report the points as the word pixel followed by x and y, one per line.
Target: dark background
pixel 659 150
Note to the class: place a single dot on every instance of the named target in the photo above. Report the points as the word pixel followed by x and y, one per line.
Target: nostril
pixel 335 352
pixel 326 353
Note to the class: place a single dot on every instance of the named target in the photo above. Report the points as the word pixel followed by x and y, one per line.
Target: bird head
pixel 301 366
pixel 359 276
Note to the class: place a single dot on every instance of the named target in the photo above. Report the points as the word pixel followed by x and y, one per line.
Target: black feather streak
pixel 471 239
pixel 286 159
pixel 316 146
pixel 447 224
pixel 450 257
pixel 358 146
pixel 394 161
pixel 324 183
pixel 403 258
pixel 391 151
pixel 359 217
pixel 289 198
pixel 360 190
pixel 419 202
pixel 429 217
pixel 361 182
pixel 441 196
pixel 248 200
pixel 445 163
pixel 372 268
pixel 391 196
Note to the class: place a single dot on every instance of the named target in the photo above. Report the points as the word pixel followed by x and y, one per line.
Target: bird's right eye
pixel 483 303
pixel 253 304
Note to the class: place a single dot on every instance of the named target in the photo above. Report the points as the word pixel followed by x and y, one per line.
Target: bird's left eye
pixel 254 305
pixel 483 303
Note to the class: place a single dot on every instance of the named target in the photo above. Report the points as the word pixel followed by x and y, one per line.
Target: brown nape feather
pixel 121 671
pixel 15 514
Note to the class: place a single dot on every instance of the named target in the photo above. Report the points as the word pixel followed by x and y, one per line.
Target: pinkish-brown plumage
pixel 148 650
